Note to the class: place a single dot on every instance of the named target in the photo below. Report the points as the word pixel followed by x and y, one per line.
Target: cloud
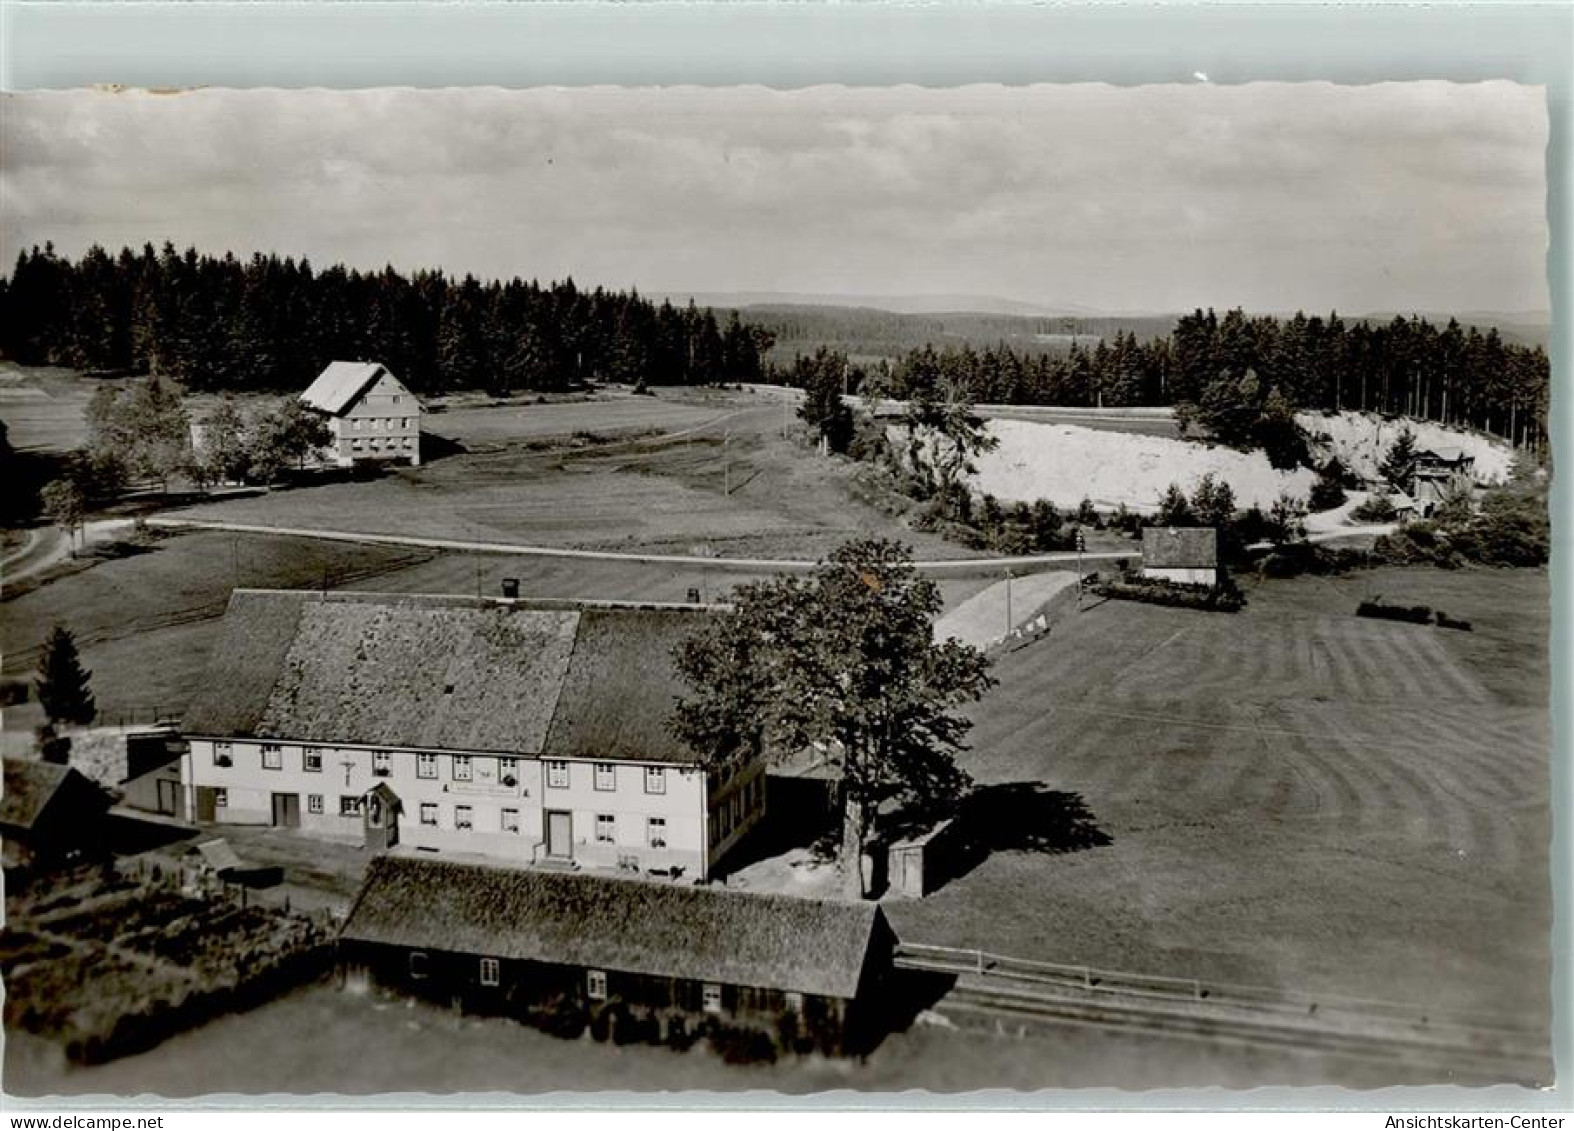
pixel 1421 195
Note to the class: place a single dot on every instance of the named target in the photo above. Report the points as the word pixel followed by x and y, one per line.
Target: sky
pixel 1425 196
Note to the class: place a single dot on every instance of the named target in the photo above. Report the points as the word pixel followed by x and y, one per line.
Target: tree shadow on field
pixel 1014 817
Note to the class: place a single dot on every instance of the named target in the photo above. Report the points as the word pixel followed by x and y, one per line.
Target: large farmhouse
pixel 372 415
pixel 667 957
pixel 532 731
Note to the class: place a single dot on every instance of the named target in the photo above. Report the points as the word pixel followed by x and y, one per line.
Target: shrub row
pixel 1411 614
pixel 1219 599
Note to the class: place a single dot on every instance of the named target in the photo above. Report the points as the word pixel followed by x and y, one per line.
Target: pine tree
pixel 62 682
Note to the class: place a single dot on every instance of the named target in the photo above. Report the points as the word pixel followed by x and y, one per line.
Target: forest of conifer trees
pixel 1407 366
pixel 266 323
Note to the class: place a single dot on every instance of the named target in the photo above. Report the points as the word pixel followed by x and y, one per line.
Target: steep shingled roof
pixel 633 926
pixel 1180 547
pixel 545 678
pixel 32 786
pixel 340 385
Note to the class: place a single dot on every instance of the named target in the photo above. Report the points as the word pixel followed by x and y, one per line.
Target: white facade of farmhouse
pixel 587 698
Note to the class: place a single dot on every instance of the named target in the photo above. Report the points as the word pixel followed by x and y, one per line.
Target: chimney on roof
pixel 511 587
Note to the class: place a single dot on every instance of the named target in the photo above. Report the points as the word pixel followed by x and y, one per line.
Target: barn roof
pixel 340 385
pixel 537 678
pixel 602 922
pixel 1180 547
pixel 32 786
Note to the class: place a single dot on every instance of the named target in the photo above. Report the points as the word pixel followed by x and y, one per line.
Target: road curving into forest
pixel 1026 561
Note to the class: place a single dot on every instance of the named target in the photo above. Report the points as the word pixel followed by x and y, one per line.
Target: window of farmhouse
pixel 314 803
pixel 658 832
pixel 382 764
pixel 508 771
pixel 461 767
pixel 794 1002
pixel 272 758
pixel 596 985
pixel 348 805
pixel 222 752
pixel 311 759
pixel 604 827
pixel 557 775
pixel 606 775
pixel 462 817
pixel 712 998
pixel 417 964
pixel 221 797
pixel 490 972
pixel 510 820
pixel 428 813
pixel 426 765
pixel 655 779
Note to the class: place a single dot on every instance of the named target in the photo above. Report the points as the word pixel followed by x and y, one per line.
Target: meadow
pixel 1288 796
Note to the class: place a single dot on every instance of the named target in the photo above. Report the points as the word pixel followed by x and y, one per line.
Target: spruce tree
pixel 62 682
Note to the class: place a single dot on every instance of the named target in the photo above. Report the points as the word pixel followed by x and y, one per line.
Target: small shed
pixel 50 813
pixel 915 863
pixel 1184 555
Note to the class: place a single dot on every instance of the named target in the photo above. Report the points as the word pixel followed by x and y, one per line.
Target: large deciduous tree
pixel 844 660
pixel 64 506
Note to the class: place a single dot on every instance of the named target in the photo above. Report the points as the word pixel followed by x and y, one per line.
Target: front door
pixel 560 835
pixel 287 810
pixel 207 804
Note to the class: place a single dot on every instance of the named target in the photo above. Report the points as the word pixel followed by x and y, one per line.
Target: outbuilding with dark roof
pixel 50 812
pixel 657 956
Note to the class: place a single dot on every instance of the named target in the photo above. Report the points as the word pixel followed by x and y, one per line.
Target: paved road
pixel 47 545
pixel 771 564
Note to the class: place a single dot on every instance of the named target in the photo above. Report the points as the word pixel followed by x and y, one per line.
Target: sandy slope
pixel 1361 439
pixel 1065 464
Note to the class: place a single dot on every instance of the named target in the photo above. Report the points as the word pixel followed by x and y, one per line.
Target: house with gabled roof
pixel 531 731
pixel 1440 474
pixel 1184 555
pixel 374 418
pixel 659 956
pixel 50 813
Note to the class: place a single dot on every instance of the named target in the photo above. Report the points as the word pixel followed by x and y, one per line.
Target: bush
pixel 1411 614
pixel 742 1046
pixel 1377 508
pixel 1446 621
pixel 1310 558
pixel 1219 599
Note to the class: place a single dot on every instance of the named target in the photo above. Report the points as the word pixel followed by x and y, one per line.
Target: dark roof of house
pixel 340 385
pixel 606 923
pixel 1449 455
pixel 32 786
pixel 536 678
pixel 1180 547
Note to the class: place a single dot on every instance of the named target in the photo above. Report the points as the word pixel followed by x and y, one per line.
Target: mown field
pixel 1290 796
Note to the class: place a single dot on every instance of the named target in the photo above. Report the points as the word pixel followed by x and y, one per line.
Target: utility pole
pixel 1082 545
pixel 726 463
pixel 1009 624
